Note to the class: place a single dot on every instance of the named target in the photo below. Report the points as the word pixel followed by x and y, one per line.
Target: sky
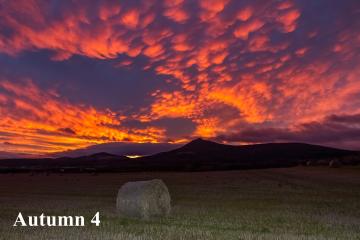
pixel 76 74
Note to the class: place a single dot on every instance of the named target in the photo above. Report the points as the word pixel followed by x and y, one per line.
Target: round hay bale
pixel 309 163
pixel 143 199
pixel 335 163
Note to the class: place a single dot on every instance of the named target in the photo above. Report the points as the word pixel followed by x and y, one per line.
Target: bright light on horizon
pixel 133 156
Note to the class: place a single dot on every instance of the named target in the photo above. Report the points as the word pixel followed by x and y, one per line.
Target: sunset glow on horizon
pixel 75 74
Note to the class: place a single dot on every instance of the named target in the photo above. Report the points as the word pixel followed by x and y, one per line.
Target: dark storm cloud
pixel 345 118
pixel 332 130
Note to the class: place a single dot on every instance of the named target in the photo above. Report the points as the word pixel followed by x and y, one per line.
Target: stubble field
pixel 288 203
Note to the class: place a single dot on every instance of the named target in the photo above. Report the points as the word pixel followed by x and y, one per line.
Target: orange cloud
pixel 35 122
pixel 211 8
pixel 258 43
pixel 213 5
pixel 106 12
pixel 245 13
pixel 131 18
pixel 173 105
pixel 245 29
pixel 244 59
pixel 153 51
pixel 176 14
pixel 174 11
pixel 301 52
pixel 248 97
pixel 288 20
pixel 285 5
pixel 207 127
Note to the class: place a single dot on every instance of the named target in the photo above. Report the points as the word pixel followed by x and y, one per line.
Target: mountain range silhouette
pixel 197 155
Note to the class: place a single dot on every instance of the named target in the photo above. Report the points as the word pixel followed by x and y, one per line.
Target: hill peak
pixel 199 144
pixel 198 140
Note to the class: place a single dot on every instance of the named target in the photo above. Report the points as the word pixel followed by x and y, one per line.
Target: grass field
pixel 292 203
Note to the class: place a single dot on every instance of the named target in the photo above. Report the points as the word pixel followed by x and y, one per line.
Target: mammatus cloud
pixel 229 67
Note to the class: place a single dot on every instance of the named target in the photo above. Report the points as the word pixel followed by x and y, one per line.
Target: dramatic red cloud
pixel 227 66
pixel 288 19
pixel 37 122
pixel 211 7
pixel 245 29
pixel 245 13
pixel 130 19
pixel 174 11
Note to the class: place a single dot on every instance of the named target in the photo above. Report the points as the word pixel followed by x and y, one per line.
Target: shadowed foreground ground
pixel 293 203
